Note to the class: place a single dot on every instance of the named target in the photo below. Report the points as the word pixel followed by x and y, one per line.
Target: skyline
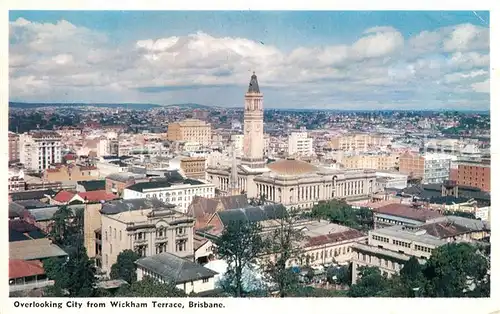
pixel 323 60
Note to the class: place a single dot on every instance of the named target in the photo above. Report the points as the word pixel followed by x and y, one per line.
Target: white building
pixel 437 167
pixel 391 180
pixel 39 149
pixel 237 142
pixel 188 276
pixel 177 192
pixel 299 144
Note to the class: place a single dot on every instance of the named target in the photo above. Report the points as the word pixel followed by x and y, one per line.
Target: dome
pixel 288 167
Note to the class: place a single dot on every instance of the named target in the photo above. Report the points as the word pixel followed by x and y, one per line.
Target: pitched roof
pixel 161 183
pixel 19 268
pixel 31 195
pixel 253 87
pixel 450 226
pixel 253 214
pixel 409 212
pixel 174 268
pixel 120 206
pixel 64 196
pixel 202 206
pixel 93 185
pixel 334 237
pixel 34 249
pixel 97 196
pixel 20 230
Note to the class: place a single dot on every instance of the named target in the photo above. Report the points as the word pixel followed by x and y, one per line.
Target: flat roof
pixel 405 233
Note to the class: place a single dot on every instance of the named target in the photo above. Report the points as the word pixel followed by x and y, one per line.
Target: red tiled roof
pixel 70 157
pixel 64 196
pixel 334 237
pixel 409 212
pixel 97 196
pixel 20 268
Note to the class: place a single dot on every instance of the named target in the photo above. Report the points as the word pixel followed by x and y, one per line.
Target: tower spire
pixel 253 87
pixel 234 173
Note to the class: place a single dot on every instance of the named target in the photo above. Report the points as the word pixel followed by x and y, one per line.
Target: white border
pixel 336 305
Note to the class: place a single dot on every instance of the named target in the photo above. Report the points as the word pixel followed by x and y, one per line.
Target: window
pixel 111 249
pixel 205 280
pixel 105 235
pixel 120 235
pixel 114 233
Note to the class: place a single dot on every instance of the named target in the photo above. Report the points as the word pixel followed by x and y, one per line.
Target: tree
pixel 239 245
pixel 455 269
pixel 283 246
pixel 340 212
pixel 125 267
pixel 67 227
pixel 370 284
pixel 150 288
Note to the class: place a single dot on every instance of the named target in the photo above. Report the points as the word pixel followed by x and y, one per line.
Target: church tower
pixel 253 138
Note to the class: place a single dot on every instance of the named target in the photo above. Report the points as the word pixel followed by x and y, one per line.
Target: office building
pixel 39 149
pixel 190 130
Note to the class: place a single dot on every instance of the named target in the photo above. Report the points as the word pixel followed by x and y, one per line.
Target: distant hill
pixel 102 105
pixel 190 106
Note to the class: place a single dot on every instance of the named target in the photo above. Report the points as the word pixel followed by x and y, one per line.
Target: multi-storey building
pixel 71 173
pixel 148 231
pixel 13 147
pixel 190 130
pixel 39 149
pixel 178 191
pixel 378 162
pixel 389 248
pixel 429 167
pixel 299 144
pixel 359 142
pixel 193 167
pixel 16 180
pixel 476 174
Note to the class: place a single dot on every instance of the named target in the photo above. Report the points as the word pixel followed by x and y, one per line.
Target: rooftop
pixel 119 206
pixel 174 268
pixel 410 234
pixel 291 167
pixel 34 249
pixel 93 185
pixel 161 183
pixel 253 214
pixel 19 268
pixel 409 212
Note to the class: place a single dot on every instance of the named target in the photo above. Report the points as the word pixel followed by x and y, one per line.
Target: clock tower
pixel 253 138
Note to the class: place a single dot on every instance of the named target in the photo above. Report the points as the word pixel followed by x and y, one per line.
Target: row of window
pixel 379 238
pixel 401 243
pixel 423 248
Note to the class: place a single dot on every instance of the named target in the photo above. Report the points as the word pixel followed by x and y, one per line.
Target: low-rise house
pixel 187 275
pixel 67 197
pixel 27 275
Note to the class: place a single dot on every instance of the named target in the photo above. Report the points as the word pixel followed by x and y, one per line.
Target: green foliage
pixel 283 246
pixel 342 273
pixel 150 288
pixel 239 245
pixel 370 284
pixel 311 292
pixel 340 212
pixel 67 228
pixel 125 267
pixel 74 276
pixel 453 268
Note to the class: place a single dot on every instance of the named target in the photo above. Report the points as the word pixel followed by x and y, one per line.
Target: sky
pixel 406 60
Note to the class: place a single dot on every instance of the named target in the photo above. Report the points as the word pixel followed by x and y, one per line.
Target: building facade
pixel 190 130
pixel 473 174
pixel 429 167
pixel 146 231
pixel 13 147
pixel 358 142
pixel 71 173
pixel 299 144
pixel 193 167
pixel 39 149
pixel 181 194
pixel 378 162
